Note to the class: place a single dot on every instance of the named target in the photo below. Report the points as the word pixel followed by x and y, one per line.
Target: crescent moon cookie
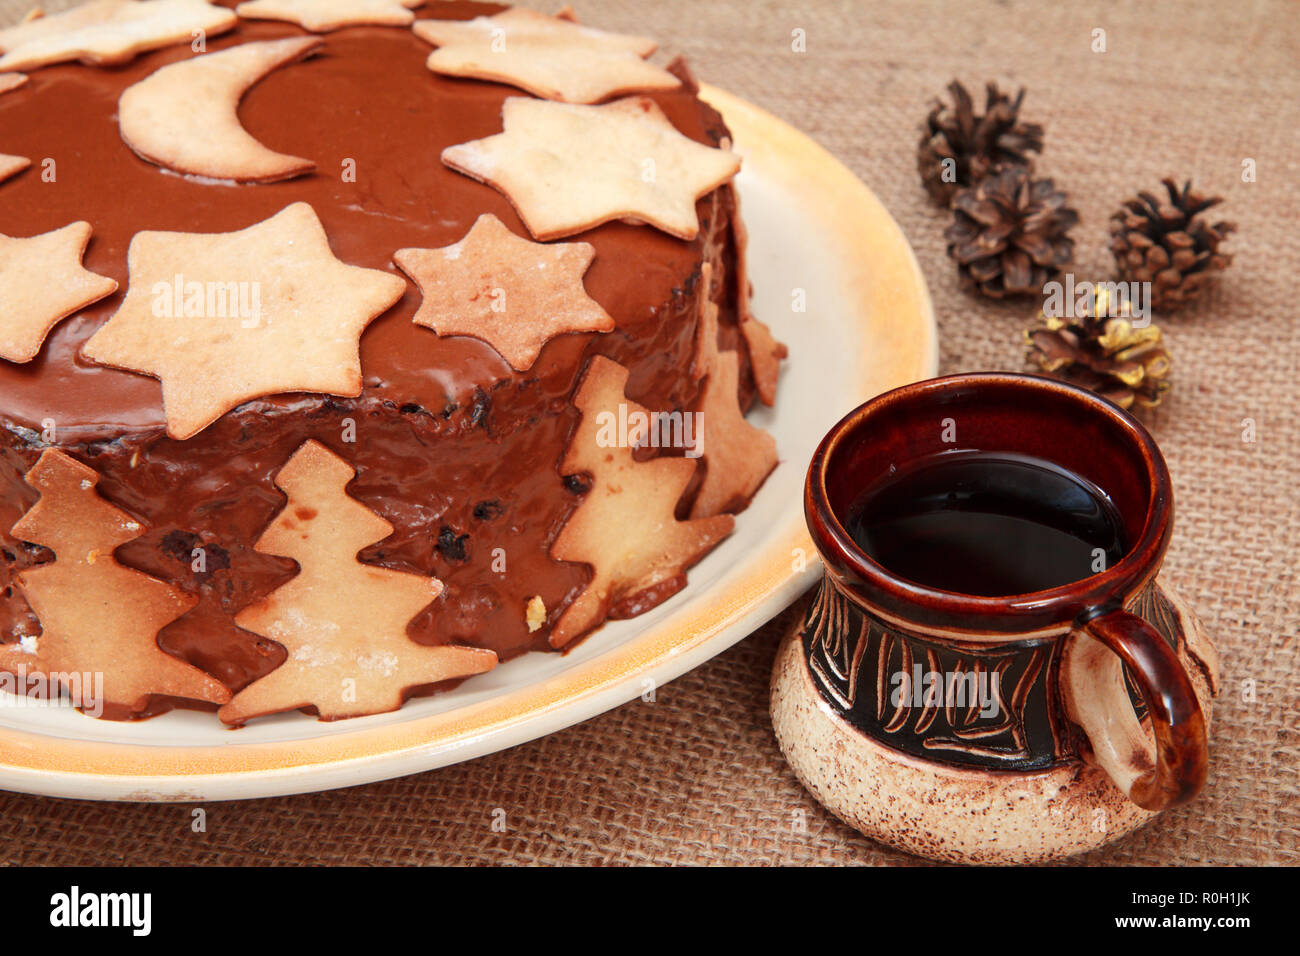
pixel 458 376
pixel 184 116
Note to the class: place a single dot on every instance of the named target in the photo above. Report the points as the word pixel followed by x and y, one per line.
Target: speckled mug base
pixel 937 811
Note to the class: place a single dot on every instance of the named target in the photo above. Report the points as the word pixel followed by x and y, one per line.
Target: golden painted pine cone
pixel 1169 244
pixel 1008 233
pixel 972 146
pixel 1106 354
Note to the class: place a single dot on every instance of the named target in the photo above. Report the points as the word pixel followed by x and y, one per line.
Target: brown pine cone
pixel 1169 244
pixel 1103 353
pixel 1009 233
pixel 976 145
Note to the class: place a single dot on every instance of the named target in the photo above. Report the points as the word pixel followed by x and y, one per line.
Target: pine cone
pixel 1169 244
pixel 1104 353
pixel 977 145
pixel 1009 233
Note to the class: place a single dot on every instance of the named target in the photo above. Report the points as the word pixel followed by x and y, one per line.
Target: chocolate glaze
pixel 452 447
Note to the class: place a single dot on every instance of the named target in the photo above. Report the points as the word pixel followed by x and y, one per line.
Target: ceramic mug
pixel 1084 674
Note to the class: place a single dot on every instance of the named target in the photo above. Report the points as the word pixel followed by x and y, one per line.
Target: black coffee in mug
pixel 987 523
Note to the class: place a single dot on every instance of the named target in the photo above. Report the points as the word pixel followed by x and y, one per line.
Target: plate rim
pixel 103 770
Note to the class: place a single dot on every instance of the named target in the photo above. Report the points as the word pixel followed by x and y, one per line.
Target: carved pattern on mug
pixel 837 656
pixel 969 730
pixel 840 639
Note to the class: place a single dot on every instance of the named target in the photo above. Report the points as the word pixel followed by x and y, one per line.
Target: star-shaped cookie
pixel 322 16
pixel 567 168
pixel 42 282
pixel 222 318
pixel 551 57
pixel 106 32
pixel 513 294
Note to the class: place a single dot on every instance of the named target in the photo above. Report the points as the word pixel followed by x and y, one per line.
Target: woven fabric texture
pixel 1188 89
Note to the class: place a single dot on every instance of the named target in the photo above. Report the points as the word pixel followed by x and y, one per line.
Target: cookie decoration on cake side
pixel 342 622
pixel 625 527
pixel 99 618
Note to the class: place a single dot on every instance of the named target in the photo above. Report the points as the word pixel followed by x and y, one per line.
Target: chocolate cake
pixel 460 452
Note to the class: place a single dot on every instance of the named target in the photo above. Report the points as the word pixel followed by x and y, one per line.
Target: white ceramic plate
pixel 868 327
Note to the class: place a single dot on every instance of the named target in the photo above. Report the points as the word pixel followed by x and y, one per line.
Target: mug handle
pixel 1096 698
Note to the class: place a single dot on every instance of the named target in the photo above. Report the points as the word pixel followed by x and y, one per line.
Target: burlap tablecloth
pixel 1188 89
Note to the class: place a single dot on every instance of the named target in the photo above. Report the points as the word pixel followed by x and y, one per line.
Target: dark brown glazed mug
pixel 1086 672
